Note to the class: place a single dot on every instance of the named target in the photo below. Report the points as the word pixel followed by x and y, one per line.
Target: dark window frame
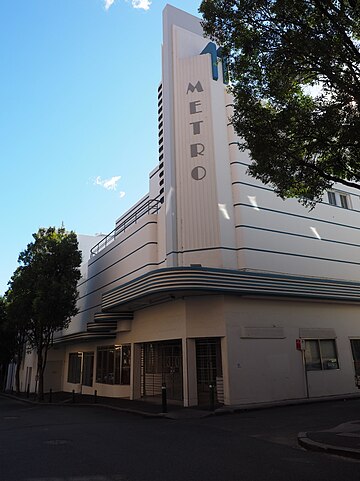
pixel 74 367
pixel 88 368
pixel 323 363
pixel 113 364
pixel 339 199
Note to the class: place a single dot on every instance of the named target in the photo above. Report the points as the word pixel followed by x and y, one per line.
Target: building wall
pixel 269 369
pixel 54 370
pixel 283 236
pixel 214 215
pixel 259 355
pixel 227 219
pixel 133 253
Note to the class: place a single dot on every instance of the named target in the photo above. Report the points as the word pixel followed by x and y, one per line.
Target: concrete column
pixel 192 397
pixel 135 378
pixel 185 372
pixel 225 370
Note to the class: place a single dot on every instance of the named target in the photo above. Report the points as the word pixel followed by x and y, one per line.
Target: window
pixel 88 368
pixel 74 369
pixel 113 364
pixel 332 198
pixel 339 199
pixel 344 201
pixel 320 354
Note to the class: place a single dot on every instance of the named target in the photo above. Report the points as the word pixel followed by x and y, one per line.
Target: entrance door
pixel 172 371
pixel 209 369
pixel 161 363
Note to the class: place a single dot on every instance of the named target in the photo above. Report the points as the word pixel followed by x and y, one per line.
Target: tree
pixel 295 76
pixel 44 290
pixel 7 342
pixel 18 314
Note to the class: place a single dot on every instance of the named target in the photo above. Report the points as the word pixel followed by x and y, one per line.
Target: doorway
pixel 209 370
pixel 161 363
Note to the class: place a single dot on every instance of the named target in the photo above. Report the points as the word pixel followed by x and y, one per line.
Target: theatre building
pixel 211 279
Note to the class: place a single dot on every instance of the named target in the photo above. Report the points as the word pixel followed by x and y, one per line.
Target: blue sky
pixel 78 113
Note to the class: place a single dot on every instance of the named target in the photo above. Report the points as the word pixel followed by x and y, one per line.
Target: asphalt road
pixel 77 443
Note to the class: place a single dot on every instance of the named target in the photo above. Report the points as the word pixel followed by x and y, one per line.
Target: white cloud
pixel 144 4
pixel 121 194
pixel 108 184
pixel 108 4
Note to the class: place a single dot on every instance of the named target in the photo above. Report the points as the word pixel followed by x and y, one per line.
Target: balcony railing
pixel 152 206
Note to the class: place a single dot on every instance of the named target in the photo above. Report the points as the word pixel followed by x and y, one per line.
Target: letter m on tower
pixel 198 87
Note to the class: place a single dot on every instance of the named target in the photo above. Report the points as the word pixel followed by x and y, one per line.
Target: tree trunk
pixel 17 376
pixel 40 373
pixel 19 359
pixel 3 376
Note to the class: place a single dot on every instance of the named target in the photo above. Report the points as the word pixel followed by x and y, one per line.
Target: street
pixel 89 443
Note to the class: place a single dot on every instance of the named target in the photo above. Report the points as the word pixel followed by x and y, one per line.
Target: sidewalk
pixel 149 408
pixel 342 440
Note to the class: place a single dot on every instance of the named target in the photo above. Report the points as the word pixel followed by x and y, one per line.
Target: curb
pixel 284 403
pixel 169 415
pixel 78 404
pixel 307 443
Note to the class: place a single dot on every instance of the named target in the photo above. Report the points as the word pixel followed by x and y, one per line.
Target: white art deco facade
pixel 211 278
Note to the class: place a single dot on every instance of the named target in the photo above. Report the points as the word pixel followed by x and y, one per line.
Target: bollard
pixel 73 395
pixel 50 396
pixel 95 396
pixel 212 396
pixel 163 398
pixel 28 391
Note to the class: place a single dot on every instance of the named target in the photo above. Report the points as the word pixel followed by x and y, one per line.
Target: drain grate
pixel 56 442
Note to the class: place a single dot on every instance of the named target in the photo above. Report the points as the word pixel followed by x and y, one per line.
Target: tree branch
pixel 347 40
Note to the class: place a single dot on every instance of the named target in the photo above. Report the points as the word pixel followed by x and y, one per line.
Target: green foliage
pixel 50 270
pixel 19 300
pixel 295 72
pixel 8 341
pixel 43 290
pixel 7 335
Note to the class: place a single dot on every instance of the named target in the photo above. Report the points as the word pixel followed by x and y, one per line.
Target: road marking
pixel 115 477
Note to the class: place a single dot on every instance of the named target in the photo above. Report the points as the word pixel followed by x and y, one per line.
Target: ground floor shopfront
pixel 251 350
pixel 189 369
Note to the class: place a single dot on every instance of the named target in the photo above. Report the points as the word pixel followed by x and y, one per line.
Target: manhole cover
pixel 56 442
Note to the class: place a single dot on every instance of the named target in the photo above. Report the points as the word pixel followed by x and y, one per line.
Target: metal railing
pixel 152 206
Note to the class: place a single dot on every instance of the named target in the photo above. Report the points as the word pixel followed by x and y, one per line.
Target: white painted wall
pixel 255 369
pixel 272 369
pixel 227 220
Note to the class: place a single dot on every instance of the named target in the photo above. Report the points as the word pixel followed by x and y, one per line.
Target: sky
pixel 78 114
